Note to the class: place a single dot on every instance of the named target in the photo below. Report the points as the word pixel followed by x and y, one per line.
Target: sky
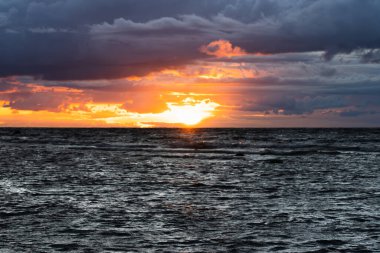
pixel 189 63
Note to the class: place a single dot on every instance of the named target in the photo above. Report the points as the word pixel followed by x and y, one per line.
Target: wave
pixel 11 187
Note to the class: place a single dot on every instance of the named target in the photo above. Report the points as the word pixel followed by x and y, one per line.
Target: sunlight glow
pixel 191 112
pixel 188 111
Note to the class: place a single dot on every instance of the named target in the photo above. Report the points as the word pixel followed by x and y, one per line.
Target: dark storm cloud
pixel 327 71
pixel 372 56
pixel 356 113
pixel 274 58
pixel 302 96
pixel 293 104
pixel 331 26
pixel 74 13
pixel 83 39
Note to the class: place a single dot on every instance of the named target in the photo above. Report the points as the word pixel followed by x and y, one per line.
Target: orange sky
pixel 172 97
pixel 224 90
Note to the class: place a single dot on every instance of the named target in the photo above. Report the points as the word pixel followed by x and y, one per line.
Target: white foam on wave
pixel 90 206
pixel 5 250
pixel 10 187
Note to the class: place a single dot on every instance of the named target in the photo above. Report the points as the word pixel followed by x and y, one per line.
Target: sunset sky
pixel 198 63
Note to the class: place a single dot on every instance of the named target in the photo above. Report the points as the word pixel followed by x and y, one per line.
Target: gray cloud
pixel 303 96
pixel 371 56
pixel 328 71
pixel 79 39
pixel 355 113
pixel 293 103
pixel 288 103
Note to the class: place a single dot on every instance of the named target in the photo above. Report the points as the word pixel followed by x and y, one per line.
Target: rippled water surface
pixel 173 190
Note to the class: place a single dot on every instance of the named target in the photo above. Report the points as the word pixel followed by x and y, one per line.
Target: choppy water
pixel 173 190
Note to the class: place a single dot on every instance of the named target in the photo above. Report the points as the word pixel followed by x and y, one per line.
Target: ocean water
pixel 189 190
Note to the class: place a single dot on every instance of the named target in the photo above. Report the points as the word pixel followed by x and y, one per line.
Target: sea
pixel 189 190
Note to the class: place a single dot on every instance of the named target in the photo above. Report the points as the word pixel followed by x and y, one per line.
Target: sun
pixel 190 112
pixel 188 115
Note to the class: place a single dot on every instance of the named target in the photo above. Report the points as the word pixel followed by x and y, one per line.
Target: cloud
pixel 222 48
pixel 6 84
pixel 327 71
pixel 292 104
pixel 45 100
pixel 371 56
pixel 356 113
pixel 87 40
pixel 27 94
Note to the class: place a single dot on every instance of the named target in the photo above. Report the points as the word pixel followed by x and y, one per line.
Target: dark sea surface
pixel 189 190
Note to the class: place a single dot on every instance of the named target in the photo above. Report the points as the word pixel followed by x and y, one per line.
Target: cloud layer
pixel 315 59
pixel 78 39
